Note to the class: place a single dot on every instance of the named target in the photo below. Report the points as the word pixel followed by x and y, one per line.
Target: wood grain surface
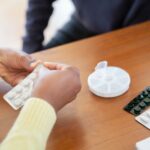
pixel 91 122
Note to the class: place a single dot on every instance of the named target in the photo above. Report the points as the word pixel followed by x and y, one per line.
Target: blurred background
pixel 12 21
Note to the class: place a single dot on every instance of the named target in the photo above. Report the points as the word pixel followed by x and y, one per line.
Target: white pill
pixel 18 89
pixel 25 96
pixel 144 119
pixel 33 76
pixel 27 82
pixel 11 95
pixel 18 102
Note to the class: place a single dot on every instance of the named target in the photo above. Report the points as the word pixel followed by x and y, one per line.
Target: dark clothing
pixel 91 17
pixel 71 31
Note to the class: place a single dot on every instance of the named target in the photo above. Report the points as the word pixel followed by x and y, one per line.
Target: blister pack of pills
pixel 17 96
pixel 139 103
pixel 144 118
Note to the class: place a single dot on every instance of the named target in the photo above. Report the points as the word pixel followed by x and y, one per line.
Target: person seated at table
pixel 91 17
pixel 54 89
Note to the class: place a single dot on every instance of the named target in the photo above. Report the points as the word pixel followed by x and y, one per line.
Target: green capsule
pixel 142 105
pixel 147 101
pixel 137 110
pixel 148 89
pixel 141 97
pixel 145 93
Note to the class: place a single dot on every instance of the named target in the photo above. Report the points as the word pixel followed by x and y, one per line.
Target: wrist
pixel 52 103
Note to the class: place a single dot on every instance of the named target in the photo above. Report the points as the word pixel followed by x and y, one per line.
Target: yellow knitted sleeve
pixel 32 127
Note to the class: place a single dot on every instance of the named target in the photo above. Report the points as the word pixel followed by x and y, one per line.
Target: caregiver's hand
pixel 59 85
pixel 14 66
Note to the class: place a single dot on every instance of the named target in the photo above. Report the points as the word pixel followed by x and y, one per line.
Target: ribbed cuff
pixel 37 116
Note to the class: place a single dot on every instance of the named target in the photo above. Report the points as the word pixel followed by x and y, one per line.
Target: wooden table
pixel 90 122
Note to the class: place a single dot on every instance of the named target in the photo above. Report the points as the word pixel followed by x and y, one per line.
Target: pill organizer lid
pixel 108 81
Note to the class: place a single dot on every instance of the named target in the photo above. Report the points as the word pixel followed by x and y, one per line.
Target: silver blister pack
pixel 18 95
pixel 144 118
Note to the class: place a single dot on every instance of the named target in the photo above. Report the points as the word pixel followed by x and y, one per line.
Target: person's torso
pixel 105 15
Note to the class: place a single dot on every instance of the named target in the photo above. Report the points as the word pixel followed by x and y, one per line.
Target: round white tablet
pixel 27 82
pixel 33 76
pixel 11 95
pixel 17 102
pixel 18 89
pixel 108 81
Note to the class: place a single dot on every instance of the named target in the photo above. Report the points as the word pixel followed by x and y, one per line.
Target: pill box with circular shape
pixel 108 81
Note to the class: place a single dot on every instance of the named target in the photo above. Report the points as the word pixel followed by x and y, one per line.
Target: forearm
pixel 37 18
pixel 2 58
pixel 32 127
pixel 1 55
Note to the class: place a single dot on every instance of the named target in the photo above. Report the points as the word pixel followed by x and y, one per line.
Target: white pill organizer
pixel 144 118
pixel 108 81
pixel 18 95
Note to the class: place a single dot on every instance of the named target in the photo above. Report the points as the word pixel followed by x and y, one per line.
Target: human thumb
pixel 26 62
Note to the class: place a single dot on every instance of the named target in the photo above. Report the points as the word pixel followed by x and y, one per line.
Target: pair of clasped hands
pixel 58 85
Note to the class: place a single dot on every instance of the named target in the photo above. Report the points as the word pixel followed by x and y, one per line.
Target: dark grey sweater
pixel 98 16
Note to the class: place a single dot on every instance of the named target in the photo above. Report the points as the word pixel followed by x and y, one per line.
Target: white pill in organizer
pixel 144 118
pixel 17 96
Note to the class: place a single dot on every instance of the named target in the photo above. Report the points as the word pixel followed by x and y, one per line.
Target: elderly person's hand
pixel 59 85
pixel 14 66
